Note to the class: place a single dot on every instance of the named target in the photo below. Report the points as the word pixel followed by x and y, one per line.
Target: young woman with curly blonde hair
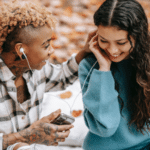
pixel 25 75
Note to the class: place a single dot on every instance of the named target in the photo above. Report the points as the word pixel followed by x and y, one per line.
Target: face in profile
pixel 115 43
pixel 39 49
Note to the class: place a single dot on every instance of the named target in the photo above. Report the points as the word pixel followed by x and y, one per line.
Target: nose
pixel 51 50
pixel 113 50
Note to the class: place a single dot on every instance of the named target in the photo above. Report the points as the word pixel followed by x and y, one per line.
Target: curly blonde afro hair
pixel 16 15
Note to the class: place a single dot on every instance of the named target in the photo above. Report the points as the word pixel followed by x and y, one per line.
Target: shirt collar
pixel 5 73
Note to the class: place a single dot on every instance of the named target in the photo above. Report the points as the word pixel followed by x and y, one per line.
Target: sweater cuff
pixel 73 62
pixel 11 147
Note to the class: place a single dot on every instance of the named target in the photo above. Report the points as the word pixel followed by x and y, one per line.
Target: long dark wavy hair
pixel 129 15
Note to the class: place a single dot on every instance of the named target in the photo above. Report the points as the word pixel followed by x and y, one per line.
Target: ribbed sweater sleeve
pixel 102 113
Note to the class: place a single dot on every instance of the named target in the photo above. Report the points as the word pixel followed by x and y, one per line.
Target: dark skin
pixel 38 50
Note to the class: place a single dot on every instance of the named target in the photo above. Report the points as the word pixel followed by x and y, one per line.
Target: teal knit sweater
pixel 108 127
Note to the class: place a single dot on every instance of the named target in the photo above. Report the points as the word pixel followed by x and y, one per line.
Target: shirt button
pixel 23 117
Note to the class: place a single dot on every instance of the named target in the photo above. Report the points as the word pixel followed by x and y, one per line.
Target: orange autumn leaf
pixel 65 95
pixel 76 113
pixel 68 11
pixel 72 51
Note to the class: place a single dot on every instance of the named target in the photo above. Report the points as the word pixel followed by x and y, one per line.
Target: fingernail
pixel 58 110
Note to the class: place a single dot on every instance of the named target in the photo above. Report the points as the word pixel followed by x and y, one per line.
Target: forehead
pixel 112 33
pixel 41 34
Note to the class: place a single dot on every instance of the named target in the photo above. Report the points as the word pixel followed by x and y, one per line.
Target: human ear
pixel 20 50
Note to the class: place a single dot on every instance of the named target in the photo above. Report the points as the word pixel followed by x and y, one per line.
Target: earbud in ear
pixel 23 55
pixel 21 50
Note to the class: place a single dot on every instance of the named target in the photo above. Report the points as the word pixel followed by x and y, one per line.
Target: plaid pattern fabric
pixel 15 116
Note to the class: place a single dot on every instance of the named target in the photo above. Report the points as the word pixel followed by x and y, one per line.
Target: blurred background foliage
pixel 74 22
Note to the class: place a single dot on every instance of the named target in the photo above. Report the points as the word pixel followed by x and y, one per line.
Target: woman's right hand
pixel 101 56
pixel 44 132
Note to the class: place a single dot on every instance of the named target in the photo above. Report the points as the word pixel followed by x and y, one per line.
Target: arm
pixel 66 73
pixel 102 113
pixel 58 77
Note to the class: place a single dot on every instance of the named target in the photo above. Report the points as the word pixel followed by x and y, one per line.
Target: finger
pixel 93 33
pixel 64 127
pixel 55 144
pixel 62 135
pixel 54 115
pixel 93 39
pixel 60 140
pixel 94 46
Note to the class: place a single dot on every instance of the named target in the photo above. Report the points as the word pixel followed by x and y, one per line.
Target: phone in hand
pixel 63 119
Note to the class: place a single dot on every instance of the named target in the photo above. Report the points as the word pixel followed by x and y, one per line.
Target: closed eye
pixel 104 41
pixel 47 46
pixel 121 43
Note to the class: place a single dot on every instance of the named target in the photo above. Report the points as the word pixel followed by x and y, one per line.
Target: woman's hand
pixel 101 56
pixel 44 132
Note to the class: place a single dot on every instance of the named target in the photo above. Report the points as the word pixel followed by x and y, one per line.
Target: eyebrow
pixel 116 40
pixel 47 41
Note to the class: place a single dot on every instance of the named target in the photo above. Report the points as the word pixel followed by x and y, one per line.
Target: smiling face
pixel 39 49
pixel 115 43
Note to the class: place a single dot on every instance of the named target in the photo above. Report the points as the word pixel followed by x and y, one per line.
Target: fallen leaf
pixel 76 113
pixel 65 95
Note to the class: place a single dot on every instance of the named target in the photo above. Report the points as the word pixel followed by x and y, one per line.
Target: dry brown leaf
pixel 72 51
pixel 68 11
pixel 65 95
pixel 76 113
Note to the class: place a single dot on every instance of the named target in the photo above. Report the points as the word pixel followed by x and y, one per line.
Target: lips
pixel 115 55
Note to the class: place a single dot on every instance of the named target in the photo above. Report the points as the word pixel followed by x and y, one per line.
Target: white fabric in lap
pixel 52 102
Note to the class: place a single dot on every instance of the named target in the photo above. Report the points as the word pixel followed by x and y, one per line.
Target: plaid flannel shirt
pixel 15 116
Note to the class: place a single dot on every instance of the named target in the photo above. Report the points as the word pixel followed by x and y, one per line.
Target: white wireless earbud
pixel 25 57
pixel 21 50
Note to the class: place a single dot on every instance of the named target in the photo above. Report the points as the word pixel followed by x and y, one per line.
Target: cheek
pixel 125 48
pixel 102 45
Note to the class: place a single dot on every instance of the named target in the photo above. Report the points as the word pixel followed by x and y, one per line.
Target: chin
pixel 119 59
pixel 39 68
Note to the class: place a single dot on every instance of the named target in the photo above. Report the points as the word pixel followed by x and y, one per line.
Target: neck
pixel 17 67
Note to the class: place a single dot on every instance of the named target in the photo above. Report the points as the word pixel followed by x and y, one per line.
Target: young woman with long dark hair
pixel 116 94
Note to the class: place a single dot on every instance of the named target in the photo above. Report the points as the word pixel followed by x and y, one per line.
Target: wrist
pixel 104 69
pixel 11 139
pixel 24 136
pixel 81 55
